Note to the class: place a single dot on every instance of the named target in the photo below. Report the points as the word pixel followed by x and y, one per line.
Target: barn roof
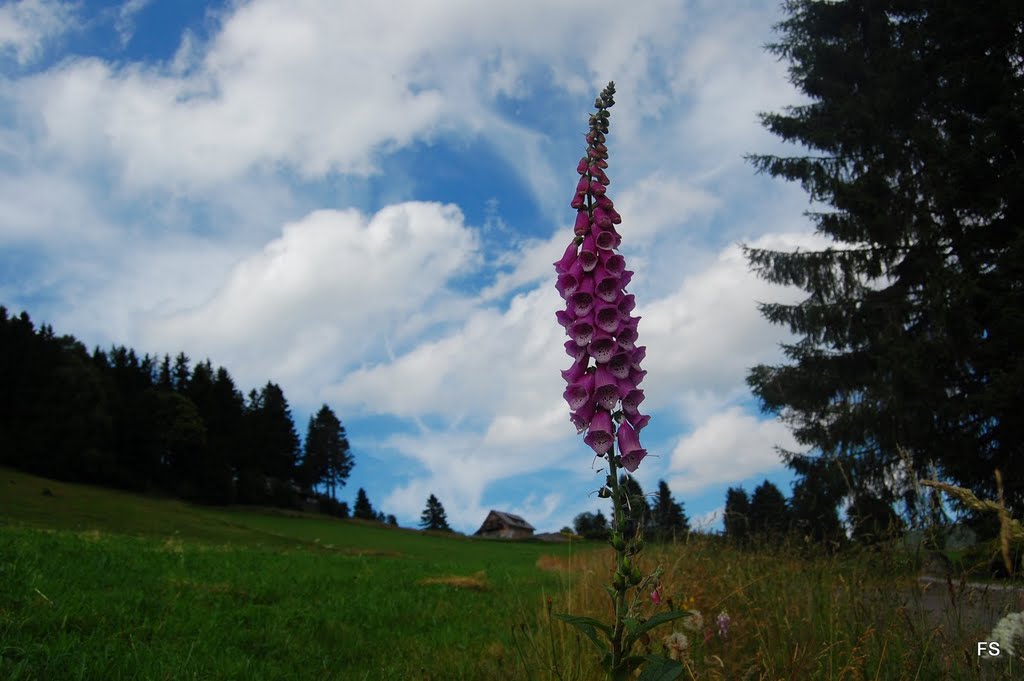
pixel 511 520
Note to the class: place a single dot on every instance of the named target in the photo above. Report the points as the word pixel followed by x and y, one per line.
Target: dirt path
pixel 968 606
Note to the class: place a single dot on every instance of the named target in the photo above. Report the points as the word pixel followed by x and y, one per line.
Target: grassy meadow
pixel 97 584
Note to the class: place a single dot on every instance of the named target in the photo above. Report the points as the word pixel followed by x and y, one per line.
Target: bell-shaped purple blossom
pixel 629 447
pixel 580 391
pixel 600 435
pixel 619 365
pixel 582 417
pixel 568 258
pixel 582 332
pixel 607 317
pixel 602 348
pixel 578 368
pixel 606 388
pixel 637 420
pixel 582 225
pixel 613 263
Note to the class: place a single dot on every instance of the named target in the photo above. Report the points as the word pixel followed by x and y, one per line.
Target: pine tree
pixel 816 496
pixel 668 520
pixel 737 515
pixel 769 514
pixel 909 336
pixel 164 380
pixel 181 374
pixel 363 509
pixel 434 517
pixel 327 457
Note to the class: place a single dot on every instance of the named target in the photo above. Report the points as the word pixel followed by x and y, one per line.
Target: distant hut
pixel 502 525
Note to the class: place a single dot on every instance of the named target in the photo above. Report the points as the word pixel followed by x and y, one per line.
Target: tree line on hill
pixel 811 515
pixel 157 424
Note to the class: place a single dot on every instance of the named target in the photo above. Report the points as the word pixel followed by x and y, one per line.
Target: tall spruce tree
pixel 737 515
pixel 909 337
pixel 327 456
pixel 668 520
pixel 434 517
pixel 769 514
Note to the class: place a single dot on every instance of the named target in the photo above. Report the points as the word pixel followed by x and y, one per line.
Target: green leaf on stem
pixel 658 668
pixel 635 632
pixel 661 618
pixel 588 625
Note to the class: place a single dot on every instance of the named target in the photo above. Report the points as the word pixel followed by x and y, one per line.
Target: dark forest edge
pixel 157 425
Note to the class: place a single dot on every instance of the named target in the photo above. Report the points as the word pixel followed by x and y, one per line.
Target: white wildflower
pixel 695 622
pixel 677 645
pixel 1009 631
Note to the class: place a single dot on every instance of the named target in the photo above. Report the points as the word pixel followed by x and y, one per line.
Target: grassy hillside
pixel 97 584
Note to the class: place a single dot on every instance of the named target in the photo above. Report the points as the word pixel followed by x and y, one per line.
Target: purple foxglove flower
pixel 582 417
pixel 608 289
pixel 592 279
pixel 565 319
pixel 607 318
pixel 606 389
pixel 588 254
pixel 579 393
pixel 583 185
pixel 629 447
pixel 582 332
pixel 578 368
pixel 606 240
pixel 583 301
pixel 628 335
pixel 567 259
pixel 619 365
pixel 567 285
pixel 637 420
pixel 613 263
pixel 631 402
pixel 572 349
pixel 598 174
pixel 602 349
pixel 600 435
pixel 582 223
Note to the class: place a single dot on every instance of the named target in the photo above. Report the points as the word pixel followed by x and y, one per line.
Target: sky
pixel 362 202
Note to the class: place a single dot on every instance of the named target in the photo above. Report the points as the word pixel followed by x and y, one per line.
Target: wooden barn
pixel 502 525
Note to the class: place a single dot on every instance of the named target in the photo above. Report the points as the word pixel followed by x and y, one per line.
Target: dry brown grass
pixel 475 582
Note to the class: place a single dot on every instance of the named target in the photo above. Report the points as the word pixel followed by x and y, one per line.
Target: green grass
pixel 96 584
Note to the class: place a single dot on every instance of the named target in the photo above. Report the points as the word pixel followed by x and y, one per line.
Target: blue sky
pixel 362 202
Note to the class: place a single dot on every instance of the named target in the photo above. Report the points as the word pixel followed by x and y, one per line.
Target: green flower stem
pixel 621 579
